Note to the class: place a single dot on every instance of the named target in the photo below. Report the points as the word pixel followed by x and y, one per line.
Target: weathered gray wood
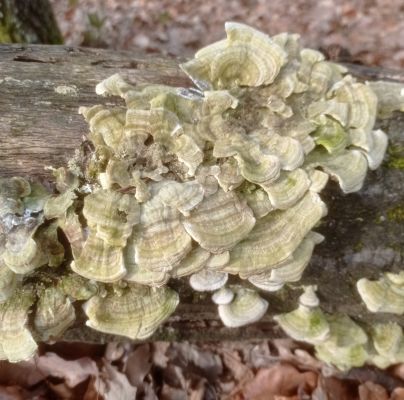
pixel 40 125
pixel 41 90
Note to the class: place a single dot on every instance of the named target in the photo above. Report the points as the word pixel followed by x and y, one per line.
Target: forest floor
pixel 264 370
pixel 364 31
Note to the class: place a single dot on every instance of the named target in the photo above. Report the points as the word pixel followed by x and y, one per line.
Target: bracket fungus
pixel 207 280
pixel 388 343
pixel 339 340
pixel 384 295
pixel 16 341
pixel 223 296
pixel 245 308
pixel 54 314
pixel 206 182
pixel 307 323
pixel 346 345
pixel 136 312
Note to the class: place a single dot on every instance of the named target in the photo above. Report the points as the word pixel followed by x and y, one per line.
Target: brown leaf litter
pixel 277 370
pixel 369 32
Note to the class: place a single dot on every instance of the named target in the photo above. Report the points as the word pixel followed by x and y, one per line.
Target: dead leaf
pixel 91 392
pixel 196 360
pixel 160 358
pixel 170 393
pixel 198 393
pixel 11 393
pixel 307 360
pixel 398 394
pixel 281 379
pixel 226 387
pixel 398 371
pixel 149 392
pixel 289 350
pixel 239 370
pixel 372 391
pixel 24 373
pixel 19 393
pixel 114 351
pixel 260 355
pixel 113 385
pixel 62 391
pixel 173 375
pixel 332 388
pixel 138 365
pixel 73 372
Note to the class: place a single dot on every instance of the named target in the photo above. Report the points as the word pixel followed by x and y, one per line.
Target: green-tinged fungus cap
pixel 136 313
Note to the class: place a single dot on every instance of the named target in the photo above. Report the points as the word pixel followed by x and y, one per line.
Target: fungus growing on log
pixel 245 308
pixel 135 311
pixel 340 341
pixel 384 295
pixel 221 179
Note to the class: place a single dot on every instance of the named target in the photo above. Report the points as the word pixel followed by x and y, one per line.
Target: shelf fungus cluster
pixel 29 249
pixel 217 180
pixel 340 341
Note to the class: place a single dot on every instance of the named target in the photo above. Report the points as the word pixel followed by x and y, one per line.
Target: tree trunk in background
pixel 41 89
pixel 28 21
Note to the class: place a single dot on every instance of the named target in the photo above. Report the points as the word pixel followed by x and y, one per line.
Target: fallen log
pixel 42 88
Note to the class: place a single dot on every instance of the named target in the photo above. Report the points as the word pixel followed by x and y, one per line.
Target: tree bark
pixel 41 90
pixel 28 21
